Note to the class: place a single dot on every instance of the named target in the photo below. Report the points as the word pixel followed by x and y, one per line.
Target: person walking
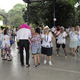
pixel 36 46
pixel 23 35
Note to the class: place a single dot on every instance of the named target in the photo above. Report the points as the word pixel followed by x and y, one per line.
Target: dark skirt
pixel 46 51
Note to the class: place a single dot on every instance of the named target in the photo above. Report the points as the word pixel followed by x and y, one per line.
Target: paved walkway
pixel 62 69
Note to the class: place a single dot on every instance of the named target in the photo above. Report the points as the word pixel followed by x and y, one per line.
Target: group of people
pixel 6 41
pixel 41 40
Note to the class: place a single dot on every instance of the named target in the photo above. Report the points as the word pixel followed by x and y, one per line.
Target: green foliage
pixel 1 18
pixel 15 15
pixel 42 13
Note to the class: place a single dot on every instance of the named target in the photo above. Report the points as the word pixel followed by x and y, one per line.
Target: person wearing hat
pixel 47 44
pixel 61 41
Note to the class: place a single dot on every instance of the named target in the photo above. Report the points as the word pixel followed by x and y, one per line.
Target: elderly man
pixel 23 36
pixel 61 41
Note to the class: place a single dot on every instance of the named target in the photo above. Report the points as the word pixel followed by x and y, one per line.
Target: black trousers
pixel 24 44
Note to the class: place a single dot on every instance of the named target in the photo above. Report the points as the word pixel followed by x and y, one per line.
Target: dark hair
pixel 2 27
pixel 37 30
pixel 5 32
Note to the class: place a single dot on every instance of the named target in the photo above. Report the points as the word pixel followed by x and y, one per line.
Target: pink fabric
pixel 24 26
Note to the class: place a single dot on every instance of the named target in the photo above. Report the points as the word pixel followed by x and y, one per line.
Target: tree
pixel 1 18
pixel 15 15
pixel 42 13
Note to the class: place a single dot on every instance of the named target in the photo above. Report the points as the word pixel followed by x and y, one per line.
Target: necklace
pixel 46 38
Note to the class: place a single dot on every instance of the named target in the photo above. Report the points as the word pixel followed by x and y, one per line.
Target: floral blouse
pixel 36 39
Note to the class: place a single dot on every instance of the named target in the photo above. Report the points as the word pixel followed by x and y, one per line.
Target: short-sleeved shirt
pixel 78 36
pixel 73 36
pixel 46 40
pixel 6 41
pixel 61 38
pixel 57 33
pixel 23 34
pixel 36 39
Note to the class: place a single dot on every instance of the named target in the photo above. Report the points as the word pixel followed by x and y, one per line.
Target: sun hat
pixel 46 27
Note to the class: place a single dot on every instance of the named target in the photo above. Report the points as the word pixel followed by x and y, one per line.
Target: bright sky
pixel 8 4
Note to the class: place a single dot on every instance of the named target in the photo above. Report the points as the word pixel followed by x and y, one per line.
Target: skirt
pixel 1 45
pixel 46 51
pixel 73 44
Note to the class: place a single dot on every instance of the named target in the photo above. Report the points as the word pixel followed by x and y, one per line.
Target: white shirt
pixel 46 40
pixel 53 29
pixel 73 35
pixel 6 41
pixel 57 33
pixel 78 36
pixel 23 34
pixel 61 39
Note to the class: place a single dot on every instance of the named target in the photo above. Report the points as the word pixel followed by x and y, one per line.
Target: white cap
pixel 46 27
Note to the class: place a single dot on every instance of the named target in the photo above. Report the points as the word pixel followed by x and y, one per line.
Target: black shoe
pixel 28 66
pixel 76 51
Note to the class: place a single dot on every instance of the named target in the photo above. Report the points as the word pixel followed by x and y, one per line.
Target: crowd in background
pixel 41 40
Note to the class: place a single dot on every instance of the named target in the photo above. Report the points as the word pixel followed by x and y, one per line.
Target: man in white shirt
pixel 56 33
pixel 61 41
pixel 23 36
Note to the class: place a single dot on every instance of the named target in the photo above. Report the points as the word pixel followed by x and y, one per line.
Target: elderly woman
pixel 78 37
pixel 47 44
pixel 73 40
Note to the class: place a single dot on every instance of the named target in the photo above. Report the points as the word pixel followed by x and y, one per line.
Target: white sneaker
pixel 50 63
pixel 45 61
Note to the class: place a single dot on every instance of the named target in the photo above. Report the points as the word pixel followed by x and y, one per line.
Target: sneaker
pixel 76 51
pixel 57 55
pixel 9 59
pixel 45 62
pixel 50 63
pixel 35 66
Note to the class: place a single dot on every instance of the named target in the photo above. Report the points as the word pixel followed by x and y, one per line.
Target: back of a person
pixel 6 41
pixel 24 33
pixel 36 39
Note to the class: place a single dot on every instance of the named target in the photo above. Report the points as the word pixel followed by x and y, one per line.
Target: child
pixel 6 46
pixel 36 46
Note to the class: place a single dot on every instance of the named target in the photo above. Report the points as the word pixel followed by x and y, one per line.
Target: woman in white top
pixel 61 41
pixel 47 39
pixel 78 37
pixel 6 46
pixel 73 40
